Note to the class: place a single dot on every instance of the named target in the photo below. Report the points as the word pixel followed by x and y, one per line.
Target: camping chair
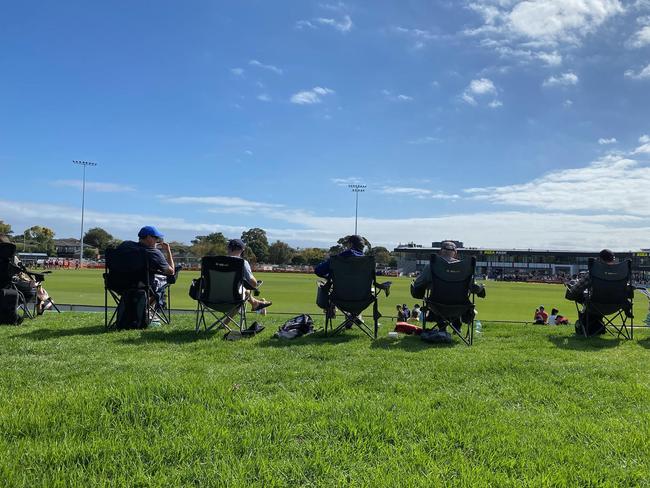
pixel 127 272
pixel 221 293
pixel 449 299
pixel 354 288
pixel 27 290
pixel 610 296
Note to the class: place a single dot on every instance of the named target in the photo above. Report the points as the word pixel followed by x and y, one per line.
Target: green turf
pixel 525 406
pixel 295 293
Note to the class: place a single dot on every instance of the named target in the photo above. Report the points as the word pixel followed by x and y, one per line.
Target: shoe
pixel 261 305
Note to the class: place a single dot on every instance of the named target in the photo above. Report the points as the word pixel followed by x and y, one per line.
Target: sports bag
pixel 9 302
pixel 132 310
pixel 295 327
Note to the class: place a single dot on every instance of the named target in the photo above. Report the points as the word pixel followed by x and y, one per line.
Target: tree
pixel 97 237
pixel 90 253
pixel 41 238
pixel 381 254
pixel 280 253
pixel 212 244
pixel 256 240
pixel 5 228
pixel 179 249
pixel 298 260
pixel 314 255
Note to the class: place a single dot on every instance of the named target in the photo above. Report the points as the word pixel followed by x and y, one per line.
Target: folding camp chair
pixel 221 293
pixel 27 290
pixel 449 299
pixel 127 272
pixel 353 288
pixel 610 295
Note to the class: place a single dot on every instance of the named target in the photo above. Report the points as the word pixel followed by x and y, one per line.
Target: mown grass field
pixel 525 406
pixel 296 293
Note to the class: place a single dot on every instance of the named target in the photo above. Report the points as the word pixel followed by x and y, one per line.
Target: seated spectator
pixel 556 319
pixel 354 247
pixel 449 253
pixel 161 264
pixel 415 313
pixel 400 313
pixel 577 291
pixel 236 249
pixel 406 311
pixel 541 317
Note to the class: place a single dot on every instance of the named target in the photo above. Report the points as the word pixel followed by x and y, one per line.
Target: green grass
pixel 525 406
pixel 296 293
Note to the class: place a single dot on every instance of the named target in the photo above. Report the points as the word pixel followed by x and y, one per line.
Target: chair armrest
pixel 385 286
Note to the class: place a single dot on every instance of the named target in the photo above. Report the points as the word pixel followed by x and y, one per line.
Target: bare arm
pixel 167 252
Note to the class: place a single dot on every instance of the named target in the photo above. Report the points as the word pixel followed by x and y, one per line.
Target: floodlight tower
pixel 356 189
pixel 83 202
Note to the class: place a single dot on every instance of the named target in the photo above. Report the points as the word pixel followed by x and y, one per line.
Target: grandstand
pixel 497 263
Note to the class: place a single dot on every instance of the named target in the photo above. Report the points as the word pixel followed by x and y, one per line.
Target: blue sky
pixel 496 122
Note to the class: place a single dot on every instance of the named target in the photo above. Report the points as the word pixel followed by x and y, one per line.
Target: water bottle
pixel 479 328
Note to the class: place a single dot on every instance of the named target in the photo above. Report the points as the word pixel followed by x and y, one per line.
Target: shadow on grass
pixel 644 342
pixel 45 334
pixel 410 344
pixel 175 336
pixel 580 343
pixel 317 338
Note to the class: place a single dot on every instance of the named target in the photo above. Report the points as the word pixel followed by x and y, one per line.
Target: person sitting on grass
pixel 415 313
pixel 556 319
pixel 236 249
pixel 541 317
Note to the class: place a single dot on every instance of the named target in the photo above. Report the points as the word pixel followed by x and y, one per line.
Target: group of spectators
pixel 541 317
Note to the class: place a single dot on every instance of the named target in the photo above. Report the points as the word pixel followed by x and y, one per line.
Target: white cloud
pixel 343 24
pixel 567 103
pixel 644 139
pixel 643 74
pixel 352 180
pixel 248 152
pixel 95 186
pixel 237 71
pixel 269 67
pixel 420 193
pixel 603 141
pixel 264 97
pixel 535 29
pixel 398 97
pixel 419 37
pixel 309 97
pixel 565 79
pixel 495 104
pixel 640 38
pixel 424 140
pixel 614 184
pixel 480 88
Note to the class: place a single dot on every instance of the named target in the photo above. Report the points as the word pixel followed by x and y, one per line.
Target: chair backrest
pixel 221 279
pixel 126 268
pixel 609 283
pixel 7 269
pixel 450 282
pixel 352 278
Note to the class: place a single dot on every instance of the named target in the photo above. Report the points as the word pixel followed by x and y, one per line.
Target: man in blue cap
pixel 160 262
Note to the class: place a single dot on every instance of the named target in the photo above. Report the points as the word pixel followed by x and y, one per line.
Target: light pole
pixel 356 189
pixel 83 201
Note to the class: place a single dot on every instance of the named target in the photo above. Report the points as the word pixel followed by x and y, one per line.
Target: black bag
pixel 132 310
pixel 322 294
pixel 295 327
pixel 9 302
pixel 195 288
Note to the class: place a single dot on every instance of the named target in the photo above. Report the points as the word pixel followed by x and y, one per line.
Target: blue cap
pixel 149 230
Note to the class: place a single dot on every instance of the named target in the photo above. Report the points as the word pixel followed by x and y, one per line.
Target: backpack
pixel 132 310
pixel 9 306
pixel 295 327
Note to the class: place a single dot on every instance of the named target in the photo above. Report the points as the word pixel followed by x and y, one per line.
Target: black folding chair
pixel 449 299
pixel 609 297
pixel 222 293
pixel 127 270
pixel 8 272
pixel 353 288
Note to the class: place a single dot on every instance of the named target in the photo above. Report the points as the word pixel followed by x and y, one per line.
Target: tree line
pixel 258 248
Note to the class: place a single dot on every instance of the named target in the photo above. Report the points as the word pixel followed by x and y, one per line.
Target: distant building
pixel 67 248
pixel 496 262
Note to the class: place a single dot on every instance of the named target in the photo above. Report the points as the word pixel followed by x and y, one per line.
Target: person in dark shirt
pixel 161 263
pixel 354 247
